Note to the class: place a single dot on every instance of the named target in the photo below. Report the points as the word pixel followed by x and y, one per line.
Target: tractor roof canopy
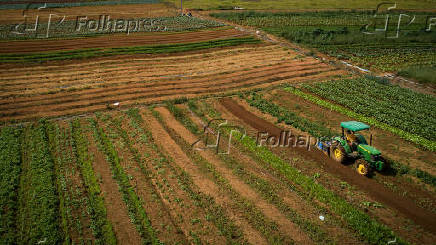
pixel 354 126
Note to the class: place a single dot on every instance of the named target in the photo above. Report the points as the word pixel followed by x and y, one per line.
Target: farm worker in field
pixel 351 138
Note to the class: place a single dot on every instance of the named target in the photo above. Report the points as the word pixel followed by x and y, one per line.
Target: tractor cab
pixel 349 133
pixel 352 145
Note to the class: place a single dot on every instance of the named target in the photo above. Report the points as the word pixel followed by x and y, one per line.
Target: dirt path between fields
pixel 405 206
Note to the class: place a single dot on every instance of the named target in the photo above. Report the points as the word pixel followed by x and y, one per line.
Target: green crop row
pixel 38 200
pixel 215 212
pixel 369 229
pixel 98 52
pixel 286 116
pixel 10 169
pixel 180 116
pixel 419 140
pixel 134 203
pixel 101 226
pixel 67 29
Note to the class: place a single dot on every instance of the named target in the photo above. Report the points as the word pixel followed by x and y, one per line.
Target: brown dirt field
pixel 133 97
pixel 13 16
pixel 141 87
pixel 246 191
pixel 13 76
pixel 116 209
pixel 377 191
pixel 124 79
pixel 204 184
pixel 115 40
pixel 131 89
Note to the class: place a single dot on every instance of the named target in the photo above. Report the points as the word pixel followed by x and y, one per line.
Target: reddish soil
pixel 128 89
pixel 404 206
pixel 115 40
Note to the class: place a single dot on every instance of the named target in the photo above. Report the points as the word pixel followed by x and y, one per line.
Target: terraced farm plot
pixel 94 85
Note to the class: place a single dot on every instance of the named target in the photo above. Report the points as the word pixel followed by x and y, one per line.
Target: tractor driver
pixel 351 139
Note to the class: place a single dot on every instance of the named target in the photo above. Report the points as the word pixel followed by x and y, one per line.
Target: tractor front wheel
pixel 338 153
pixel 362 167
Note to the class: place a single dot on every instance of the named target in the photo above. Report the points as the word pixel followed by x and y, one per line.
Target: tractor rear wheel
pixel 338 153
pixel 362 167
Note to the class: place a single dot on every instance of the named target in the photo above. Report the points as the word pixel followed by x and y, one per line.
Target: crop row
pixel 97 52
pixel 283 115
pixel 102 228
pixel 38 199
pixel 10 169
pixel 402 108
pixel 134 203
pixel 70 29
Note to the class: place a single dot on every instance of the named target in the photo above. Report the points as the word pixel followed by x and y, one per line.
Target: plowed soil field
pixel 66 89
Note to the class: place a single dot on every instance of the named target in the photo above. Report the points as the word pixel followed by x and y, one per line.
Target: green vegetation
pixel 101 226
pixel 287 117
pixel 134 203
pixel 424 74
pixel 10 169
pixel 73 201
pixel 343 35
pixel 97 52
pixel 412 112
pixel 302 4
pixel 38 201
pixel 19 5
pixel 68 29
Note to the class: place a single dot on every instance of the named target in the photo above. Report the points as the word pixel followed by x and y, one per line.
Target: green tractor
pixel 353 146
